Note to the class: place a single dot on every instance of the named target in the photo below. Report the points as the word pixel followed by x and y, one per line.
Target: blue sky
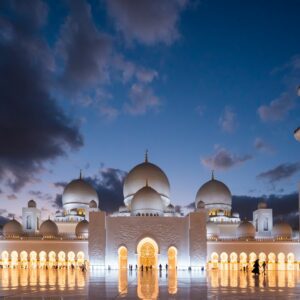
pixel 202 84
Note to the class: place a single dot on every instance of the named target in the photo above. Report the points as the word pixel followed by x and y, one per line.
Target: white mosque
pixel 147 231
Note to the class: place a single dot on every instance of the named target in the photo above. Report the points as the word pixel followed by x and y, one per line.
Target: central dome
pixel 147 202
pixel 79 192
pixel 214 194
pixel 150 173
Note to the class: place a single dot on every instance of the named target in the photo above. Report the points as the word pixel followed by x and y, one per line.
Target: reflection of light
pixel 291 279
pixel 24 277
pixel 172 281
pixel 214 278
pixel 281 278
pixel 147 285
pixel 272 278
pixel 224 278
pixel 123 282
pixel 234 278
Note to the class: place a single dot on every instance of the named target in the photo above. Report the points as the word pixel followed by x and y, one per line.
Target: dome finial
pixel 80 174
pixel 147 182
pixel 146 155
pixel 212 174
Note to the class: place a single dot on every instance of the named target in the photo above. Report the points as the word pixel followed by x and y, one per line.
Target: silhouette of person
pixel 256 267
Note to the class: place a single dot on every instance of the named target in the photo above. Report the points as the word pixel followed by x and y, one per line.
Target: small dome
pixel 212 230
pixel 282 230
pixel 147 202
pixel 156 178
pixel 262 205
pixel 12 229
pixel 246 230
pixel 297 131
pixel 79 192
pixel 214 193
pixel 82 229
pixel 200 205
pixel 31 203
pixel 93 204
pixel 49 229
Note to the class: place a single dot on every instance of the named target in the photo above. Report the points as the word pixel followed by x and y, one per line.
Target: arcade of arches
pixel 42 259
pixel 147 251
pixel 233 261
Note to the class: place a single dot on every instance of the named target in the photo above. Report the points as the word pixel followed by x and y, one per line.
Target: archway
pixel 14 259
pixel 214 260
pixel 80 258
pixel 243 260
pixel 224 261
pixel 24 259
pixel 233 261
pixel 33 259
pixel 61 259
pixel 252 258
pixel 147 250
pixel 290 261
pixel 123 253
pixel 43 259
pixel 52 259
pixel 5 259
pixel 71 259
pixel 271 261
pixel 281 261
pixel 262 258
pixel 172 258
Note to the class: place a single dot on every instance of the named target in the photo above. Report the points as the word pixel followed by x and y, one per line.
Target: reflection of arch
pixel 122 253
pixel 147 250
pixel 172 257
pixel 172 281
pixel 80 258
pixel 147 285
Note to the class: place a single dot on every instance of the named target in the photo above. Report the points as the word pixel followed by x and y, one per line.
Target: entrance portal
pixel 147 250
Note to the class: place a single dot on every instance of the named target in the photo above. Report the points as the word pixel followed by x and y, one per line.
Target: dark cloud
pixel 57 202
pixel 285 207
pixel 109 186
pixel 34 128
pixel 40 195
pixel 281 172
pixel 223 160
pixel 84 49
pixel 60 184
pixel 147 21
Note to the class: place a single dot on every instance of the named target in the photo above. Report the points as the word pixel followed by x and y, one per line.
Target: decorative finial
pixel 80 174
pixel 212 174
pixel 146 155
pixel 147 182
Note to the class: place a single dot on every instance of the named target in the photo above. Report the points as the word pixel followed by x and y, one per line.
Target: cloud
pixel 281 172
pixel 109 186
pixel 228 120
pixel 262 145
pixel 35 129
pixel 147 21
pixel 40 195
pixel 141 99
pixel 278 109
pixel 223 160
pixel 57 203
pixel 84 49
pixel 285 207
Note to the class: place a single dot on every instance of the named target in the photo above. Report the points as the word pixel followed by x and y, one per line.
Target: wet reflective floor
pixel 75 284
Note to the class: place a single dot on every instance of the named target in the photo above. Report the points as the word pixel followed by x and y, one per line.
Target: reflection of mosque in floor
pixel 148 230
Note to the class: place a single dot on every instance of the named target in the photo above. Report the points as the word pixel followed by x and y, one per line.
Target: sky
pixel 203 85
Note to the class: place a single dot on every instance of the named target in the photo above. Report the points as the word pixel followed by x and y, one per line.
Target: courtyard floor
pixel 68 284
